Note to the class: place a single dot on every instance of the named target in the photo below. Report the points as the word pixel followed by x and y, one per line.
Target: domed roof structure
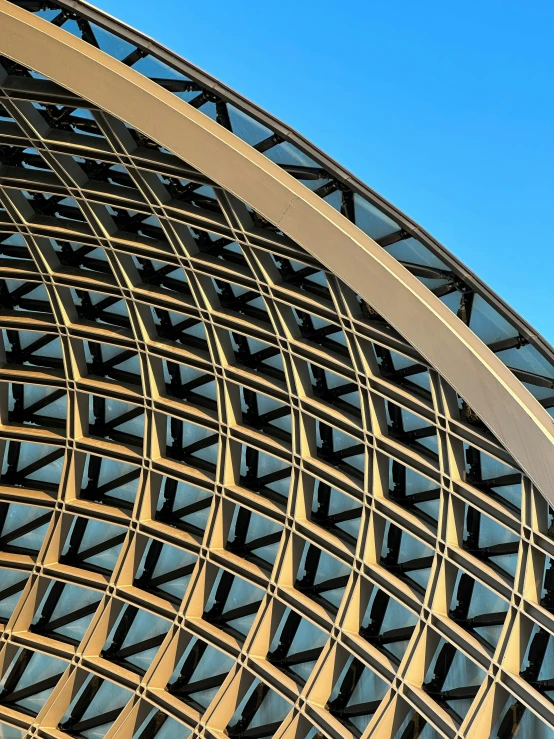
pixel 274 462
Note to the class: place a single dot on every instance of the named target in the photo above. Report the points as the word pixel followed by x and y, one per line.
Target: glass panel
pixel 528 359
pixel 413 251
pixel 245 127
pixel 287 154
pixel 488 324
pixel 110 43
pixel 154 68
pixel 371 220
pixel 10 732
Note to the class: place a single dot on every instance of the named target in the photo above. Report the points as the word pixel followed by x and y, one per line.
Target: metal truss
pixel 234 499
pixel 516 343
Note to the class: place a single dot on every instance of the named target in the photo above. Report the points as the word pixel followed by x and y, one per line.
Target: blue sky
pixel 446 109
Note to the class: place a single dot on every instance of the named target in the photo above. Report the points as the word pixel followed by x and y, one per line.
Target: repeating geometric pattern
pixel 233 499
pixel 514 342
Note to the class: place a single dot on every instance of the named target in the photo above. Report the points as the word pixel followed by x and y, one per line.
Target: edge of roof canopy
pixel 498 398
pixel 142 40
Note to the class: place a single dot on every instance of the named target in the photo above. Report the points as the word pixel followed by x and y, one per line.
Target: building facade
pixel 274 462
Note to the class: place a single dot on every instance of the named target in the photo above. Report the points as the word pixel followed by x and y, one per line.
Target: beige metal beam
pixel 489 388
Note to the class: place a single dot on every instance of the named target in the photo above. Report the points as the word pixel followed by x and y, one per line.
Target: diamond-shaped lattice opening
pixel 162 276
pixel 24 297
pixel 413 491
pixel 406 557
pixel 109 481
pixel 258 356
pixel 184 506
pixel 223 250
pixel 76 121
pixel 493 477
pixel 32 349
pixel 23 156
pixel 92 545
pixel 321 332
pixel 144 227
pixel 113 363
pixel 403 371
pixel 340 392
pixel 74 256
pixel 478 609
pixel 259 713
pixel 336 512
pixel 341 450
pixel 200 195
pixel 491 542
pixel 13 248
pixel 322 577
pixel 55 207
pixel 117 421
pixel 412 430
pixel 356 695
pixel 32 465
pixel 23 528
pixel 296 646
pixel 232 604
pixel 190 384
pixel 266 414
pixel 12 583
pixel 29 681
pixel 65 611
pixel 265 474
pixel 254 537
pixel 180 328
pixel 387 625
pixel 242 300
pixel 309 278
pixel 194 445
pixel 199 674
pixel 134 638
pixel 165 570
pixel 37 405
pixel 114 174
pixel 452 680
pixel 94 707
pixel 516 721
pixel 110 310
pixel 537 665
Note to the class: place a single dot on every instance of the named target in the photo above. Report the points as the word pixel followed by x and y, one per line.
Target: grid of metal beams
pixel 516 344
pixel 232 498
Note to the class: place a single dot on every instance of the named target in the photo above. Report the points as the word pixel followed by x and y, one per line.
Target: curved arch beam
pixel 335 169
pixel 499 399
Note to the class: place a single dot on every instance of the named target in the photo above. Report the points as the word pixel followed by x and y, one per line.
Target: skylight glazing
pixel 234 500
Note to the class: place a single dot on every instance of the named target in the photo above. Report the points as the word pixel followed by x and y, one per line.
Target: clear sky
pixel 445 108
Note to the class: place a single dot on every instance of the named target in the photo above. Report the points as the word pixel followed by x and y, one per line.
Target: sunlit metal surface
pixel 234 499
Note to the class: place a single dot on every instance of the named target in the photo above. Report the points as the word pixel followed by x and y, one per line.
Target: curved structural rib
pixel 258 479
pixel 498 399
pixel 528 355
pixel 425 256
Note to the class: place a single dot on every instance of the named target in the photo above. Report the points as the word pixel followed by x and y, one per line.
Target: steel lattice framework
pixel 273 462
